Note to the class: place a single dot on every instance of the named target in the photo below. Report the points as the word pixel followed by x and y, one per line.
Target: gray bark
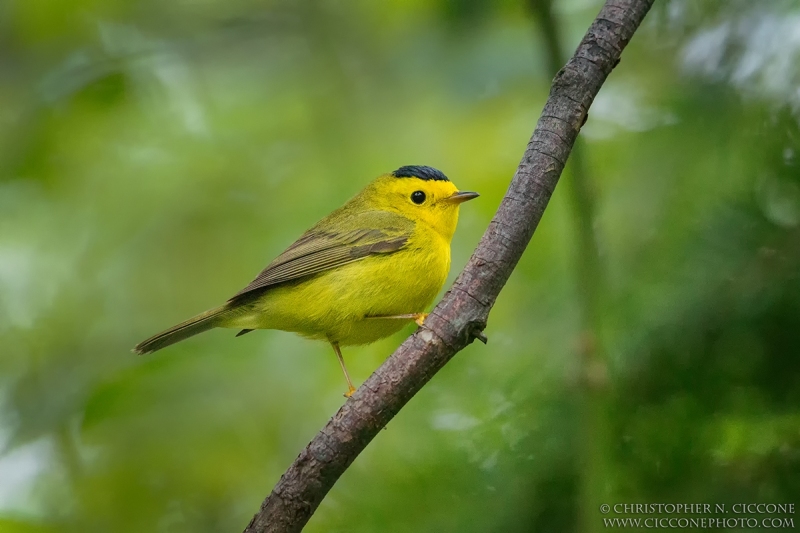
pixel 461 315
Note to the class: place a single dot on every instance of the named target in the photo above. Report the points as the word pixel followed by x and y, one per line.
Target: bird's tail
pixel 197 324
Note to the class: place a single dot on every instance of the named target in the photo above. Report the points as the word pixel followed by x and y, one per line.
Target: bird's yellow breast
pixel 337 305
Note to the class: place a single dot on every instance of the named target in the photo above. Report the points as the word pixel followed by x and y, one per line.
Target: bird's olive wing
pixel 324 248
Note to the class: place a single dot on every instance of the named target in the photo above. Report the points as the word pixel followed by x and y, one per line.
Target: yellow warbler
pixel 360 274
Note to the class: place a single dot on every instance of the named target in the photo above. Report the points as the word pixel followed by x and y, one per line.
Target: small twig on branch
pixel 461 315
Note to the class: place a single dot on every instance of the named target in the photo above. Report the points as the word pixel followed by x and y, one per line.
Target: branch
pixel 593 396
pixel 461 315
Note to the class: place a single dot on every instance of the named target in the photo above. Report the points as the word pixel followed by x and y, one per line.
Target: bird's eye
pixel 418 197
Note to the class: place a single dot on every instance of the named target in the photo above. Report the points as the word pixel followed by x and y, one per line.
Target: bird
pixel 360 274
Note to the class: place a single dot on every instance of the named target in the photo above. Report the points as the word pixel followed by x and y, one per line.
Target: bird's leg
pixel 350 388
pixel 419 318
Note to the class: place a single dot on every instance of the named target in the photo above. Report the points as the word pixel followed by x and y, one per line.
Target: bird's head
pixel 422 194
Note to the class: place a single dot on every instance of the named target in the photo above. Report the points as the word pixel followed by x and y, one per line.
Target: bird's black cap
pixel 421 172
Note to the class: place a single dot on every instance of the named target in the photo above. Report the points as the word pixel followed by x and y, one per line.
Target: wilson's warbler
pixel 360 274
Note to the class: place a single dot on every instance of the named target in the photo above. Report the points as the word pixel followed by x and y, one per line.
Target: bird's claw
pixel 419 318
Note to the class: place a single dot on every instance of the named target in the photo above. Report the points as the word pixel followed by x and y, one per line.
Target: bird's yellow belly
pixel 337 305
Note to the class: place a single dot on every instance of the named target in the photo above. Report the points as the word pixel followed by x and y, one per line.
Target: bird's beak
pixel 461 196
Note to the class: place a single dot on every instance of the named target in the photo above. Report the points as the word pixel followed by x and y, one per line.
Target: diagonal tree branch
pixel 593 394
pixel 461 315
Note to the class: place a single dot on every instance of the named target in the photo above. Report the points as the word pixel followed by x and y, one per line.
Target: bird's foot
pixel 419 318
pixel 350 391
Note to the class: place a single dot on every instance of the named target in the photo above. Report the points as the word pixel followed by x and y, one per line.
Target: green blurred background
pixel 154 156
